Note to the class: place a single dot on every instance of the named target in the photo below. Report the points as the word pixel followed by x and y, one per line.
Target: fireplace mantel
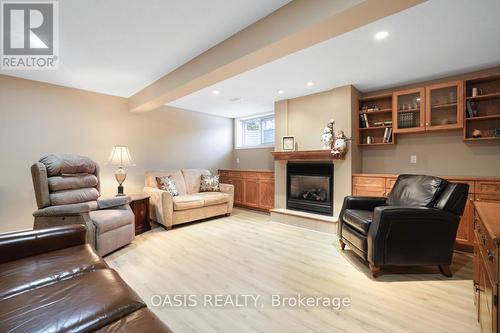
pixel 306 155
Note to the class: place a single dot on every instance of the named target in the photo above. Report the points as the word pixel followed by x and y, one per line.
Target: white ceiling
pixel 118 47
pixel 432 40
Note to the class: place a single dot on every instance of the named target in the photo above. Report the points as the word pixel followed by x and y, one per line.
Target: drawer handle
pixel 490 255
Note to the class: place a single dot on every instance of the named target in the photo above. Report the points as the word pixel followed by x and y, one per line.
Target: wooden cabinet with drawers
pixel 252 189
pixel 480 189
pixel 487 264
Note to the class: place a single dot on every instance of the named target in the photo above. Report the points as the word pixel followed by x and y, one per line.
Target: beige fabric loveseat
pixel 190 204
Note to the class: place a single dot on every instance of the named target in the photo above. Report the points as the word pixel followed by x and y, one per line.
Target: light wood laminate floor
pixel 246 253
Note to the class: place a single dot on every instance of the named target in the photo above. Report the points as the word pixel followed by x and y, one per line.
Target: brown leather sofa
pixel 52 281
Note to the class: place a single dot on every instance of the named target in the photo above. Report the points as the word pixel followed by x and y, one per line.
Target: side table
pixel 140 206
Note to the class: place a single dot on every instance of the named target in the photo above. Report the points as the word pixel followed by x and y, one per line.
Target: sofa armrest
pixel 118 202
pixel 365 203
pixel 21 244
pixel 229 189
pixel 63 210
pixel 161 205
pixel 354 202
pixel 411 236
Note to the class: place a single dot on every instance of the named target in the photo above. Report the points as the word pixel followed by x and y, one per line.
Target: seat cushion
pixel 416 191
pixel 142 320
pixel 32 272
pixel 214 198
pixel 356 240
pixel 358 219
pixel 82 303
pixel 110 219
pixel 188 201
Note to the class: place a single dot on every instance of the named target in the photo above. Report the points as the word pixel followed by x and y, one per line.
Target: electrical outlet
pixel 413 159
pixel 237 160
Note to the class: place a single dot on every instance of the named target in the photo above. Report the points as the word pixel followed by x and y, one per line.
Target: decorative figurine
pixel 477 133
pixel 340 145
pixel 327 136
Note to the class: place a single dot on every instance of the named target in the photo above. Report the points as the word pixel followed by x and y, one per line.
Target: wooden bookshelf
pixel 486 96
pixel 485 108
pixel 381 111
pixel 376 112
pixel 376 144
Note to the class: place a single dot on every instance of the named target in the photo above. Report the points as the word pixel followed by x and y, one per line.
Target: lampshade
pixel 120 156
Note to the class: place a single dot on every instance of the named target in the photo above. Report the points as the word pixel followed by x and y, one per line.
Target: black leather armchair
pixel 415 225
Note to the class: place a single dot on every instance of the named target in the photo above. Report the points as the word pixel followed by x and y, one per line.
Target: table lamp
pixel 120 156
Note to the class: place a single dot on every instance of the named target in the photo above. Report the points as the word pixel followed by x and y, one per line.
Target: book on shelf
pixel 362 121
pixel 387 135
pixel 406 120
pixel 471 109
pixel 383 123
pixel 369 108
pixel 367 124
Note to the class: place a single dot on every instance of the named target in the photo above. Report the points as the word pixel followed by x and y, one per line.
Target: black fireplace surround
pixel 309 187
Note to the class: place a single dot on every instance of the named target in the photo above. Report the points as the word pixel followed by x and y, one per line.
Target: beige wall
pixel 305 118
pixel 437 154
pixel 38 118
pixel 253 159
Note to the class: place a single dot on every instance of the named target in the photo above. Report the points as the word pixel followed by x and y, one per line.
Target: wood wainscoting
pixel 480 189
pixel 252 188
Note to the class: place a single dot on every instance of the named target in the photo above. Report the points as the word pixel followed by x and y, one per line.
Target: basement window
pixel 255 132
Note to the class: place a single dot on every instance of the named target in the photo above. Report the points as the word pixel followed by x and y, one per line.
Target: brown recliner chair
pixel 67 188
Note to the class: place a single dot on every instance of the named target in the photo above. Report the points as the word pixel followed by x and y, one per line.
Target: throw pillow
pixel 167 184
pixel 209 183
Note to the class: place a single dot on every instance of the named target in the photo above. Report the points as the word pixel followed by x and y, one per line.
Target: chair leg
pixel 445 270
pixel 375 270
pixel 342 244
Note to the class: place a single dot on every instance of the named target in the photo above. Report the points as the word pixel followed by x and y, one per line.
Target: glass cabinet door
pixel 408 111
pixel 444 106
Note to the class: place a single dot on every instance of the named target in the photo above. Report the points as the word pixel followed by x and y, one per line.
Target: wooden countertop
pixel 479 178
pixel 244 170
pixel 489 213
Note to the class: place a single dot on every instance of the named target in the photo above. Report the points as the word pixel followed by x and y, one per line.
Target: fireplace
pixel 309 187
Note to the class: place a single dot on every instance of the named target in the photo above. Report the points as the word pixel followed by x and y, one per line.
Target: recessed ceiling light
pixel 280 92
pixel 215 92
pixel 309 84
pixel 381 35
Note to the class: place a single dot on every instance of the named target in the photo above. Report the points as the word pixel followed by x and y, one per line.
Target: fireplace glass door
pixel 311 188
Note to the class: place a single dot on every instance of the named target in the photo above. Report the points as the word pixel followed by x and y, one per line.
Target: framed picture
pixel 288 142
